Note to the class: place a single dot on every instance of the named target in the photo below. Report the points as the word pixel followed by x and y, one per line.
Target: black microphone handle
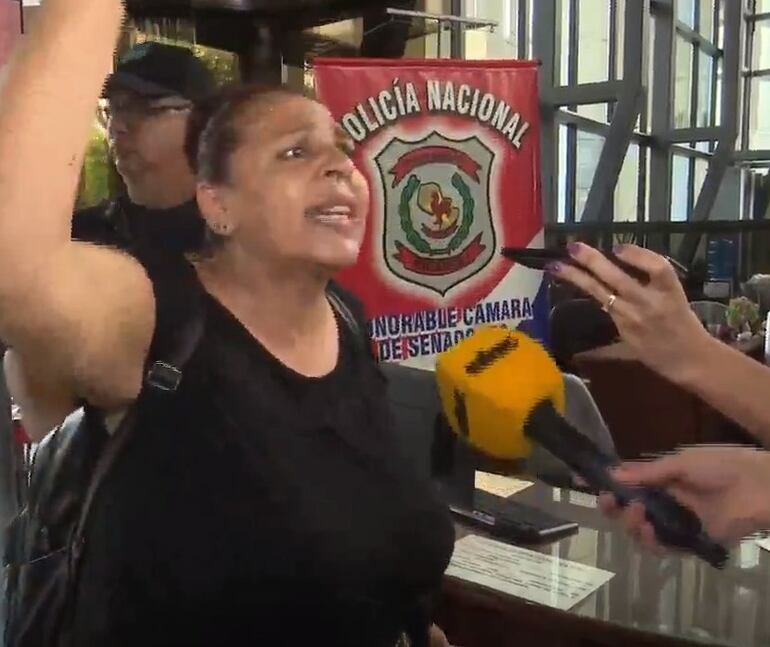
pixel 675 525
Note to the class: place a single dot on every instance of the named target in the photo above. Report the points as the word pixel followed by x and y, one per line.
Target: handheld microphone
pixel 501 391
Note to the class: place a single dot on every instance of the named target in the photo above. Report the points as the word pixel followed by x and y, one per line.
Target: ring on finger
pixel 610 302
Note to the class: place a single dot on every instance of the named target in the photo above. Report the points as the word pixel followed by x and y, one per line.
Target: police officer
pixel 146 106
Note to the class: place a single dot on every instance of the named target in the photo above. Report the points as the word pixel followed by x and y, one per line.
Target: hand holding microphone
pixel 727 487
pixel 501 391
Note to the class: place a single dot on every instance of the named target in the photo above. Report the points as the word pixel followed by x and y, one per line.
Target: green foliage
pixel 223 65
pixel 743 313
pixel 95 178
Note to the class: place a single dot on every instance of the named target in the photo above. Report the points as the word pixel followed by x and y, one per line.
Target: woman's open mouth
pixel 336 214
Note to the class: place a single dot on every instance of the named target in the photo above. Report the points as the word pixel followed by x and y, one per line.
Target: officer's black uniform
pixel 122 224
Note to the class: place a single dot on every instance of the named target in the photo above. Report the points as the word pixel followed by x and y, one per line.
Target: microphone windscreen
pixel 489 384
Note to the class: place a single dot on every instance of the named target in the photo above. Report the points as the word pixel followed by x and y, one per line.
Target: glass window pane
pixel 721 28
pixel 511 21
pixel 685 11
pixel 718 106
pixel 683 83
pixel 620 36
pixel 680 182
pixel 650 74
pixel 763 6
pixel 705 86
pixel 675 243
pixel 589 148
pixel 595 111
pixel 561 207
pixel 530 29
pixel 566 54
pixel 647 162
pixel 760 56
pixel 701 168
pixel 759 124
pixel 593 40
pixel 706 19
pixel 627 188
pixel 481 44
pixel 476 43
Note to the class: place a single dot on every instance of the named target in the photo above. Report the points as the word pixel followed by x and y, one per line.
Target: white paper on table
pixel 523 573
pixel 503 486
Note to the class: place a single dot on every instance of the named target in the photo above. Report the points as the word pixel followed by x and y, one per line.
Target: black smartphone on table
pixel 512 521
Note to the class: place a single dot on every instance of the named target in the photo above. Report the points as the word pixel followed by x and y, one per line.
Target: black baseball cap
pixel 156 70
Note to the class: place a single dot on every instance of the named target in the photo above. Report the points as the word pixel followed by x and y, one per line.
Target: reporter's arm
pixel 658 324
pixel 732 383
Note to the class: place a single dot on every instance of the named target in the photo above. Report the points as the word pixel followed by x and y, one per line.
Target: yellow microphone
pixel 489 384
pixel 501 391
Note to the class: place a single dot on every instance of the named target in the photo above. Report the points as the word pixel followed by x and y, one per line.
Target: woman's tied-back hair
pixel 213 133
pixel 212 130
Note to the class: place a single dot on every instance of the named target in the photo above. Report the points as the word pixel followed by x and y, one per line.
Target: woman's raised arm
pixel 79 307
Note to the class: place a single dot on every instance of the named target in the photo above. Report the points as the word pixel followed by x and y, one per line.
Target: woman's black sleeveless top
pixel 261 507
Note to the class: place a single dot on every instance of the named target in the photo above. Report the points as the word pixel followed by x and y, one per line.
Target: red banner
pixel 451 152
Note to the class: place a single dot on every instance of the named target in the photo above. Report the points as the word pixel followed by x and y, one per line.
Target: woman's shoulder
pixel 179 299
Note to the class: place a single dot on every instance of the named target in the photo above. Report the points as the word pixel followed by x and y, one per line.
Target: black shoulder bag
pixel 44 543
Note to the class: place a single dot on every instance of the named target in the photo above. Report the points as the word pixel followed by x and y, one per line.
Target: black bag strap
pixel 179 327
pixel 173 345
pixel 164 375
pixel 341 308
pixel 347 316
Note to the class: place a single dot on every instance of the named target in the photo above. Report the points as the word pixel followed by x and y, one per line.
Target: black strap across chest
pixel 180 326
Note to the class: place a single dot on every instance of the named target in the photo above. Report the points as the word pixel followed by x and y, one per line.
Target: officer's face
pixel 144 134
